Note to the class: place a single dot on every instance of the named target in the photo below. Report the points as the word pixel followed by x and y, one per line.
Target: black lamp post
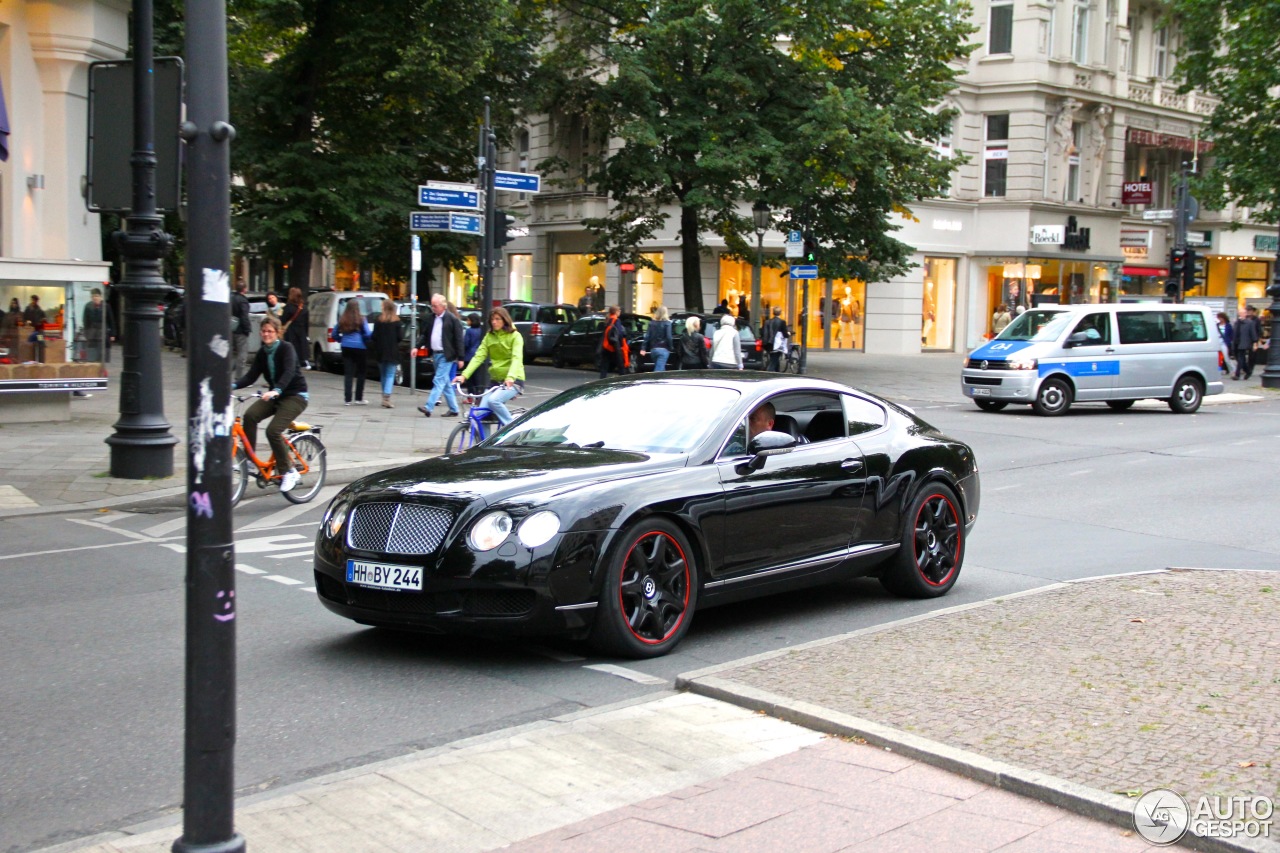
pixel 142 445
pixel 760 213
pixel 1271 376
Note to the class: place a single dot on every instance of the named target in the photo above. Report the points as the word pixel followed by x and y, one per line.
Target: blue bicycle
pixel 477 427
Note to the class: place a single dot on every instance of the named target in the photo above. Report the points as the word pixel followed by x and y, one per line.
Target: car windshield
pixel 643 418
pixel 1036 325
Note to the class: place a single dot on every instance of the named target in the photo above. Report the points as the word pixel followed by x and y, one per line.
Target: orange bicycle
pixel 306 448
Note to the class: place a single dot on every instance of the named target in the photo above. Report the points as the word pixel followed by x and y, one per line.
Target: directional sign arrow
pixel 804 271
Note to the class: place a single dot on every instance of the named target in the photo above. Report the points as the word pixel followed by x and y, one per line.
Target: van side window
pixel 1187 326
pixel 1096 327
pixel 1158 327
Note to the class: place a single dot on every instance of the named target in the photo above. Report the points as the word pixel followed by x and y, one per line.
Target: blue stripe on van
pixel 1110 367
pixel 996 350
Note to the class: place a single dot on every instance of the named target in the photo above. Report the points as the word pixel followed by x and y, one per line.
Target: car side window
pixel 519 313
pixel 737 443
pixel 579 328
pixel 1096 328
pixel 863 416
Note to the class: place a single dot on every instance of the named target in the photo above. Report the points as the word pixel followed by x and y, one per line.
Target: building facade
pixel 1074 138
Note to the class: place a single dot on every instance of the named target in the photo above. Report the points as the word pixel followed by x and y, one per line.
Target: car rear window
pixel 520 313
pixel 555 314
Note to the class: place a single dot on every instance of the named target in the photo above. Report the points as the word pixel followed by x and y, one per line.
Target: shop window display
pixel 647 290
pixel 462 287
pixel 775 289
pixel 938 304
pixel 520 278
pixel 580 282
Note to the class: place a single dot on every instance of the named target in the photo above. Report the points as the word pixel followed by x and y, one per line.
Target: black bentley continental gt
pixel 617 508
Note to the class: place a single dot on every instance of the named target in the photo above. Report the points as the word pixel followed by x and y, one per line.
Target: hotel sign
pixel 1137 192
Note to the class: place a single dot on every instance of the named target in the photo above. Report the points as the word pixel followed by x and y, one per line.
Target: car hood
pixel 492 474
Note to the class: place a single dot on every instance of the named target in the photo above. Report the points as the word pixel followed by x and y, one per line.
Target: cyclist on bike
pixel 286 400
pixel 504 348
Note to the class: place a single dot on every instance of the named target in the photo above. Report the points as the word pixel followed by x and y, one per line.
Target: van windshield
pixel 1036 325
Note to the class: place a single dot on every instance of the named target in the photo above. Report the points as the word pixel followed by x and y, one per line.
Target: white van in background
pixel 323 310
pixel 1053 356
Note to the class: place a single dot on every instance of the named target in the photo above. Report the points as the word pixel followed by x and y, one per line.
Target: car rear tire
pixel 990 405
pixel 1188 394
pixel 932 546
pixel 1053 399
pixel 557 360
pixel 650 591
pixel 1120 405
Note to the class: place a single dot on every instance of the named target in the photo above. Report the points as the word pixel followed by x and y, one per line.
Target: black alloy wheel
pixel 989 405
pixel 649 594
pixel 932 547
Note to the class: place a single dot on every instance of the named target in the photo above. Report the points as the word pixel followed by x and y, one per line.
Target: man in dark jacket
pixel 99 328
pixel 240 327
pixel 1244 334
pixel 442 338
pixel 769 337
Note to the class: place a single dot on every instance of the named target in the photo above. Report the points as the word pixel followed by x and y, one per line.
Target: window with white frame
pixel 1109 34
pixel 1080 32
pixel 1000 27
pixel 1073 163
pixel 1160 54
pixel 1135 31
pixel 995 156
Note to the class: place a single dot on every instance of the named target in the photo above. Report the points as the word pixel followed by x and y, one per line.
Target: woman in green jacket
pixel 504 348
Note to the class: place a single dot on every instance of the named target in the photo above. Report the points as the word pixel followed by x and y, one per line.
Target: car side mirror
pixel 764 445
pixel 1077 339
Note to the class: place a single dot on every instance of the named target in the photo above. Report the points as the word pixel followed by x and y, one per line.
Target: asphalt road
pixel 92 617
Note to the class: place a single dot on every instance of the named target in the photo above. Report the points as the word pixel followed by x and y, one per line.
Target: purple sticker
pixel 228 601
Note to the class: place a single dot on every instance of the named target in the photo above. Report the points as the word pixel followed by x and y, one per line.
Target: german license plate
pixel 980 392
pixel 383 576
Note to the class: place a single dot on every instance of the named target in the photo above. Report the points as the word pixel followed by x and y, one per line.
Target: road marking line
pixel 623 672
pixel 1079 473
pixel 282 579
pixel 562 657
pixel 308 589
pixel 140 537
pixel 1246 441
pixel 89 548
pixel 249 570
pixel 113 516
pixel 292 511
pixel 167 527
pixel 1001 488
pixel 291 554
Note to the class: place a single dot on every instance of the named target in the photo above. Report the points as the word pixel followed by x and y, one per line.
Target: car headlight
pixel 1022 364
pixel 538 529
pixel 335 516
pixel 490 531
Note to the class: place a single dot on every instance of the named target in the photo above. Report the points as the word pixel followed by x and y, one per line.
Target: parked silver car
pixel 540 324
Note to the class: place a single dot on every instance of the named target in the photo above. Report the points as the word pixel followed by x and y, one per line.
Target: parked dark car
pixel 425 369
pixel 580 342
pixel 753 355
pixel 588 516
pixel 540 324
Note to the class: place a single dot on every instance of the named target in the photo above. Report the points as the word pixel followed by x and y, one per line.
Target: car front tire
pixel 1053 399
pixel 650 592
pixel 932 547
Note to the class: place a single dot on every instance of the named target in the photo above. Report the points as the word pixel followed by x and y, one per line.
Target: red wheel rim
pixel 937 540
pixel 653 591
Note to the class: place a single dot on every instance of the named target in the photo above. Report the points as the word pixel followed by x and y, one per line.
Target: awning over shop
pixel 1144 270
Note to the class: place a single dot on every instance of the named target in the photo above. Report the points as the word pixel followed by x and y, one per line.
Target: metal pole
pixel 490 213
pixel 208 779
pixel 804 326
pixel 755 282
pixel 1271 376
pixel 142 446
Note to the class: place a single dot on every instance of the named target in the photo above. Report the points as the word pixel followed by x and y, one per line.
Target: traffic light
pixel 1195 270
pixel 810 250
pixel 503 222
pixel 1178 266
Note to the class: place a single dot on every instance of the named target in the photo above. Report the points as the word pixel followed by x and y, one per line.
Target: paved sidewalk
pixel 1026 723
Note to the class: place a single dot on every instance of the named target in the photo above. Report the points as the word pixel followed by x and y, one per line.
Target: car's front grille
pixel 987 364
pixel 983 380
pixel 396 528
pixel 472 602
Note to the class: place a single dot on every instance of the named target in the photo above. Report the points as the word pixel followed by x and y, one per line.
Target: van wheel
pixel 1187 395
pixel 1054 398
pixel 990 405
pixel 1120 405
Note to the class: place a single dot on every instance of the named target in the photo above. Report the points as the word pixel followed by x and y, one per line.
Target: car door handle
pixel 851 464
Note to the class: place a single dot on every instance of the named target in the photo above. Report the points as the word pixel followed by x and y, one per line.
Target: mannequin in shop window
pixel 928 315
pixel 850 316
pixel 597 293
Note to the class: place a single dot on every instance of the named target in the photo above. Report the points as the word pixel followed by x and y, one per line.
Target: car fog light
pixel 490 531
pixel 336 516
pixel 538 529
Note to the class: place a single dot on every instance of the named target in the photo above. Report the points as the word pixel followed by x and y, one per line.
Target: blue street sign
pixel 458 223
pixel 804 271
pixel 429 196
pixel 794 237
pixel 523 182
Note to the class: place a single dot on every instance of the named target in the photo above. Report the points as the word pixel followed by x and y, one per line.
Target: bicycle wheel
pixel 239 474
pixel 311 450
pixel 793 361
pixel 460 440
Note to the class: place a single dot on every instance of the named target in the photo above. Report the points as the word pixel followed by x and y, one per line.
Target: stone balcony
pixel 1160 93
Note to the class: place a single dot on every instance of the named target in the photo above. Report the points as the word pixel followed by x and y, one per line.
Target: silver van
pixel 1052 356
pixel 323 310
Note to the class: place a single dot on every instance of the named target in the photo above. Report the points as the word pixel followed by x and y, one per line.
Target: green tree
pixel 826 109
pixel 342 107
pixel 1230 50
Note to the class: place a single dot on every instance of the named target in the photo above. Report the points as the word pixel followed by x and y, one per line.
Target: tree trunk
pixel 691 258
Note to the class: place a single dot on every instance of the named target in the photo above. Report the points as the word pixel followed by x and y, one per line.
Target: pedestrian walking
pixel 273 305
pixel 695 354
pixel 99 328
pixel 384 345
pixel 283 403
pixel 294 318
pixel 9 329
pixel 1259 353
pixel 353 334
pixel 1000 319
pixel 1225 338
pixel 726 345
pixel 1244 337
pixel 657 339
pixel 503 346
pixel 471 338
pixel 240 327
pixel 774 338
pixel 614 353
pixel 442 339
